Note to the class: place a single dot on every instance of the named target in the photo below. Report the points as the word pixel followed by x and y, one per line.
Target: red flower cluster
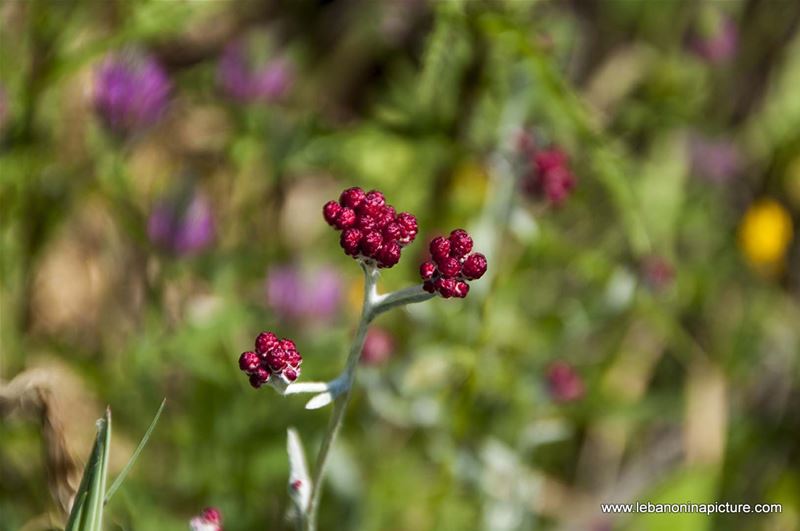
pixel 371 228
pixel 549 174
pixel 273 358
pixel 451 265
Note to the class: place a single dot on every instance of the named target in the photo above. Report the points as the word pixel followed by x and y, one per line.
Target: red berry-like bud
pixel 549 159
pixel 450 267
pixel 460 243
pixel 330 211
pixel 386 216
pixel 371 243
pixel 265 342
pixel 212 515
pixel 372 204
pixel 345 219
pixel 429 286
pixel 461 289
pixel 293 358
pixel 409 225
pixel 259 377
pixel 350 240
pixel 389 254
pixel 288 344
pixel 249 362
pixel 427 270
pixel 276 359
pixel 445 286
pixel 290 374
pixel 474 266
pixel 366 223
pixel 439 248
pixel 392 231
pixel 352 197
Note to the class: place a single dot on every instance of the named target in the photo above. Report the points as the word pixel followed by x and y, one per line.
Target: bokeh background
pixel 162 170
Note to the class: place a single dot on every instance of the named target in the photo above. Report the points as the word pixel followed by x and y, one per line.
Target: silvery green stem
pixel 340 388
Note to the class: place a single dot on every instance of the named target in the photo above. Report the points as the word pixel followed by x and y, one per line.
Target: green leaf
pixel 87 510
pixel 121 477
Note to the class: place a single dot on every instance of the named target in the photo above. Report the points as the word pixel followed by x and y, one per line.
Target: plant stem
pixel 373 305
pixel 340 405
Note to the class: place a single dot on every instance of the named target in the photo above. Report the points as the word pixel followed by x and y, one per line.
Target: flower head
pixel 131 92
pixel 274 361
pixel 450 266
pixel 548 172
pixel 209 520
pixel 372 231
pixel 182 227
pixel 245 79
pixel 765 234
pixel 563 382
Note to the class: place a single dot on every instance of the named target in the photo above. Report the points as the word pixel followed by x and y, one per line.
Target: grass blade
pixel 121 477
pixel 85 514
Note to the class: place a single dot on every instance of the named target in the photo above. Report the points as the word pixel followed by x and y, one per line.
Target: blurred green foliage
pixel 691 384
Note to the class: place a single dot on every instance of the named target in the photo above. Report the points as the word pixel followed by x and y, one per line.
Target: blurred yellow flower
pixel 765 234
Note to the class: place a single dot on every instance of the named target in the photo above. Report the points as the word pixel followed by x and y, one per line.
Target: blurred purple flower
pixel 248 81
pixel 131 92
pixel 378 346
pixel 717 41
pixel 184 229
pixel 563 382
pixel 717 160
pixel 296 295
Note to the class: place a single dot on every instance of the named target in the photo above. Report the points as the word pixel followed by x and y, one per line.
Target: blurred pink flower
pixel 718 41
pixel 182 227
pixel 563 382
pixel 297 295
pixel 716 159
pixel 657 272
pixel 209 520
pixel 247 81
pixel 378 346
pixel 131 92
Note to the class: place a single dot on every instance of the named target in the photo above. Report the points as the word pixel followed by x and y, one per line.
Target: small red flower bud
pixel 409 225
pixel 276 359
pixel 460 243
pixel 371 243
pixel 265 342
pixel 445 286
pixel 426 270
pixel 386 216
pixel 288 344
pixel 259 377
pixel 474 266
pixel 294 359
pixel 389 254
pixel 350 240
pixel 352 197
pixel 392 231
pixel 290 374
pixel 366 223
pixel 372 204
pixel 439 248
pixel 345 219
pixel 461 289
pixel 449 267
pixel 212 515
pixel 249 362
pixel 330 211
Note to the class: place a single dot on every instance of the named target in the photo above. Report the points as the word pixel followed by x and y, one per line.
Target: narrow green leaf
pixel 98 488
pixel 121 477
pixel 83 516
